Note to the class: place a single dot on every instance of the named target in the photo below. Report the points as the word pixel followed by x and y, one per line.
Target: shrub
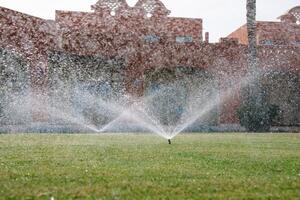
pixel 257 117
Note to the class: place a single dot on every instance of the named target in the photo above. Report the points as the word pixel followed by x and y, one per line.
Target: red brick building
pixel 149 40
pixel 285 32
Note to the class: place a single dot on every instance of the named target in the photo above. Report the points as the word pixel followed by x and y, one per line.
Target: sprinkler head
pixel 169 140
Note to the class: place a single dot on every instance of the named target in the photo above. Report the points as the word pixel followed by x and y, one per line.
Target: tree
pixel 254 88
pixel 251 28
pixel 255 113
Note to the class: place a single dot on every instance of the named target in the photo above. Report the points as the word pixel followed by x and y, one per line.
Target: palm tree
pixel 254 87
pixel 255 113
pixel 251 27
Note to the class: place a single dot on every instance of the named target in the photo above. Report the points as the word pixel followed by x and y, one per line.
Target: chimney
pixel 206 37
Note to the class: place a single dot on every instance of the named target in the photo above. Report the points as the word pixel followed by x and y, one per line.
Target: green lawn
pixel 198 166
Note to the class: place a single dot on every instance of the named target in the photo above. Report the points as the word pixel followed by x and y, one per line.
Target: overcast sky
pixel 220 17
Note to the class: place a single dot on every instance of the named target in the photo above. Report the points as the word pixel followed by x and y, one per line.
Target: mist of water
pixel 125 112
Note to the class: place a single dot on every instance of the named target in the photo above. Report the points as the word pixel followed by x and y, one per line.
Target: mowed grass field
pixel 130 166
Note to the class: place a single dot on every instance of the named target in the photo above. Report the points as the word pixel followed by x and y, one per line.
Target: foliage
pixel 257 117
pixel 77 81
pixel 14 81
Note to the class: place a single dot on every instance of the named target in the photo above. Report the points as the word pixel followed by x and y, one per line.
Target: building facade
pixel 141 47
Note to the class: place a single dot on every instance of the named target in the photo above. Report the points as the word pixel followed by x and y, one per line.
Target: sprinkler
pixel 169 140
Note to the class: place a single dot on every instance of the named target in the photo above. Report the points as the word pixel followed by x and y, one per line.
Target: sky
pixel 220 17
